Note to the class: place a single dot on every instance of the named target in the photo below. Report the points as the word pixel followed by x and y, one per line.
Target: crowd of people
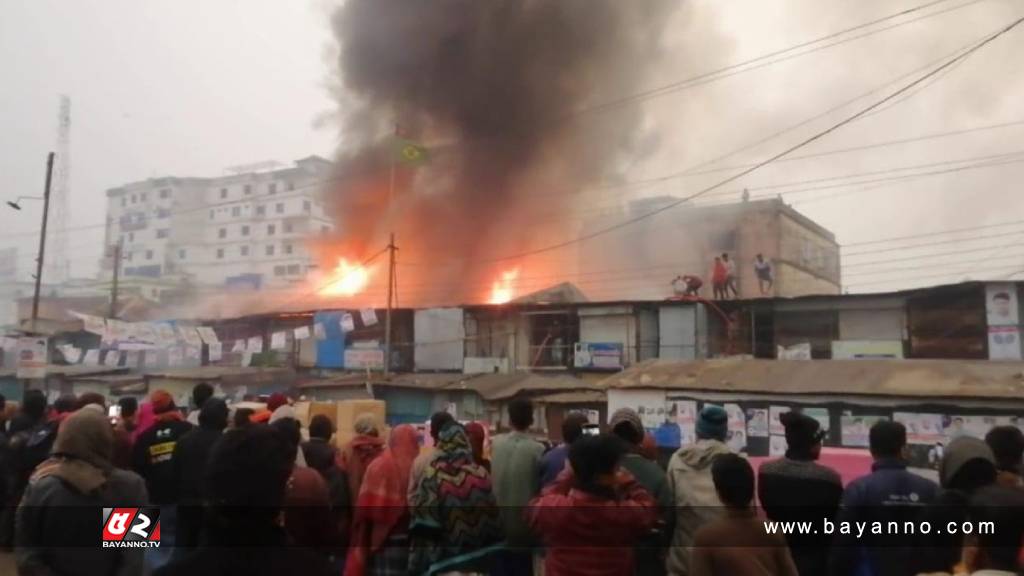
pixel 256 494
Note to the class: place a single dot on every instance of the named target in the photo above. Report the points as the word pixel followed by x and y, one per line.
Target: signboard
pixel 1004 343
pixel 646 403
pixel 855 430
pixel 364 359
pixel 32 358
pixel 1001 306
pixel 921 428
pixel 866 349
pixel 599 355
pixel 800 351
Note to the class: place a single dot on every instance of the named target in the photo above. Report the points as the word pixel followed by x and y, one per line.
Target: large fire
pixel 347 279
pixel 503 290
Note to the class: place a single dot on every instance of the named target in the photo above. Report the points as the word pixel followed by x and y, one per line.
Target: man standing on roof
pixel 763 270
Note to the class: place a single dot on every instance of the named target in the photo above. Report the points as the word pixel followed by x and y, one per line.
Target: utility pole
pixel 42 241
pixel 387 315
pixel 117 271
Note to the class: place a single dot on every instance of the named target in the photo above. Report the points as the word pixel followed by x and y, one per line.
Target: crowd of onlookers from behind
pixel 251 493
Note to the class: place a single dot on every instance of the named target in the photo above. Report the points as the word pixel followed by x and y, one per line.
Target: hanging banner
pixel 1004 343
pixel 190 336
pixel 255 345
pixel 32 358
pixel 175 357
pixel 855 430
pixel 757 423
pixel 775 426
pixel 1001 305
pixel 112 358
pixel 71 354
pixel 301 333
pixel 921 428
pixel 364 359
pixel 239 347
pixel 368 315
pixel 131 359
pixel 117 333
pixel 278 341
pixel 147 333
pixel 214 349
pixel 207 334
pixel 246 358
pixel 321 333
pixel 91 358
pixel 168 337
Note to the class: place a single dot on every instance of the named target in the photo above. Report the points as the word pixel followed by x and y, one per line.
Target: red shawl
pixel 381 504
pixel 354 458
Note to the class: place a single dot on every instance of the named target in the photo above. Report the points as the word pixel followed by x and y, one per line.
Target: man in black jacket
pixel 798 489
pixel 190 461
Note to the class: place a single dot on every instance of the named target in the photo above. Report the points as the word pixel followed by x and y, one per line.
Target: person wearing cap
pixel 626 424
pixel 153 459
pixel 967 466
pixel 795 488
pixel 890 493
pixel 693 488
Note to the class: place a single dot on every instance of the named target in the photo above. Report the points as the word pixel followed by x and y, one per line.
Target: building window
pixel 131 236
pixel 245 230
pixel 142 197
pixel 163 233
pixel 272 188
pixel 129 257
pixel 287 248
pixel 287 227
pixel 291 186
pixel 211 214
pixel 220 253
pixel 247 189
pixel 236 211
pixel 181 254
pixel 280 270
pixel 244 250
pixel 165 193
pixel 222 233
pixel 124 202
pixel 279 208
pixel 261 210
pixel 270 249
pixel 223 193
pixel 163 213
pixel 307 205
pixel 149 254
pixel 134 198
pixel 271 229
pixel 293 269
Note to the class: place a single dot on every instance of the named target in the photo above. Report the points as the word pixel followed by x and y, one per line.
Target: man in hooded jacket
pixel 57 521
pixel 693 487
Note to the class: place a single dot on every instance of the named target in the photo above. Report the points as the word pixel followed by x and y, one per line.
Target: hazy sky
pixel 189 88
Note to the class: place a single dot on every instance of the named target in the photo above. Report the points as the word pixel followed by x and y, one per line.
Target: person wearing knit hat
pixel 689 477
pixel 796 488
pixel 153 459
pixel 649 557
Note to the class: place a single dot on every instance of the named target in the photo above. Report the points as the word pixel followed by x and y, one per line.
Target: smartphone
pixel 591 429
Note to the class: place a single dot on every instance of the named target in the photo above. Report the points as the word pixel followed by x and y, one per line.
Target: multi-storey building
pixel 246 229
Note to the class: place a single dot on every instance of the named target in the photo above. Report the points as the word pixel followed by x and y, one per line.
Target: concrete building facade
pixel 246 230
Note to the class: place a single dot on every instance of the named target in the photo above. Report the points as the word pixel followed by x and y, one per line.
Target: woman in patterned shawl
pixel 455 524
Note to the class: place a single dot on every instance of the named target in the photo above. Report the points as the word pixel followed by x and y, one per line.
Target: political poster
pixel 92 324
pixel 364 359
pixel 774 424
pixel 924 429
pixel 166 334
pixel 348 323
pixel 819 414
pixel 139 336
pixel 1001 305
pixel 112 358
pixel 91 358
pixel 319 331
pixel 214 350
pixel 71 354
pixel 646 403
pixel 757 423
pixel 255 345
pixel 190 336
pixel 278 341
pixel 207 334
pixel 32 357
pixel 301 333
pixel 239 347
pixel 777 445
pixel 368 315
pixel 855 430
pixel 1004 343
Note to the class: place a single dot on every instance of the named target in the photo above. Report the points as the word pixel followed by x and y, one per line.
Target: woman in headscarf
pixel 146 419
pixel 455 522
pixel 477 438
pixel 63 497
pixel 379 544
pixel 359 452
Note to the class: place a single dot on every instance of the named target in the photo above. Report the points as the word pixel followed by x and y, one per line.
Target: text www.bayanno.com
pixel 862 529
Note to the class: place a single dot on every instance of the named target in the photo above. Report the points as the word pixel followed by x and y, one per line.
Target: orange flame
pixel 347 279
pixel 503 290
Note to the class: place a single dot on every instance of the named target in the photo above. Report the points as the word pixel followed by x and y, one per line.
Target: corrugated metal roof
pixel 489 386
pixel 891 378
pixel 69 370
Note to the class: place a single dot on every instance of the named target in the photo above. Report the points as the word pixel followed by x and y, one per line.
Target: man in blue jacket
pixel 889 494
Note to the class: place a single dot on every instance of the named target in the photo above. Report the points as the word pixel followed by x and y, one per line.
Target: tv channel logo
pixel 131 527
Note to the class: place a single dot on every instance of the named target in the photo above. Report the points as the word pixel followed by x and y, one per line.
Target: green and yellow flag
pixel 409 152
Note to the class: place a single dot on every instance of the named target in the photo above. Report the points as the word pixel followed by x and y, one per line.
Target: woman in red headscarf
pixel 379 543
